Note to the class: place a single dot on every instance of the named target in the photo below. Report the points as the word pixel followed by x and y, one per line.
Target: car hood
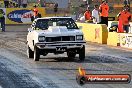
pixel 58 31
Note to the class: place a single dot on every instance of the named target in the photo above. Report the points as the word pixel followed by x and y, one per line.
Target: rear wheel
pixel 36 54
pixel 82 54
pixel 29 52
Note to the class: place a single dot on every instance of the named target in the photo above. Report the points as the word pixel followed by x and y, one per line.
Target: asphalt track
pixel 17 71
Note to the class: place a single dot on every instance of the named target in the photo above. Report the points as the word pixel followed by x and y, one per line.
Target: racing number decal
pixel 123 40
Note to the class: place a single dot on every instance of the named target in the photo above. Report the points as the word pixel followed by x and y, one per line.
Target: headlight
pixel 79 37
pixel 41 38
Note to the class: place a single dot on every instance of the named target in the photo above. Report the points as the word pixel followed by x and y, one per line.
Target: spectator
pixel 82 19
pixel 124 18
pixel 19 3
pixel 35 13
pixel 10 4
pixel 104 12
pixel 6 2
pixel 95 14
pixel 2 5
pixel 39 3
pixel 128 7
pixel 2 20
pixel 55 8
pixel 80 15
pixel 44 4
pixel 24 3
pixel 14 3
pixel 125 2
pixel 87 14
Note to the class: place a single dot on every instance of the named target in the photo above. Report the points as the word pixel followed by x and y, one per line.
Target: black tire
pixel 30 53
pixel 36 54
pixel 82 54
pixel 71 54
pixel 81 80
pixel 45 54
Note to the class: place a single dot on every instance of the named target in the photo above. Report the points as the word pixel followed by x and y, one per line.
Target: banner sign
pixel 21 15
pixel 126 40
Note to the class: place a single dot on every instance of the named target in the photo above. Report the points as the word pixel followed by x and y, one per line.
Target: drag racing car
pixel 55 35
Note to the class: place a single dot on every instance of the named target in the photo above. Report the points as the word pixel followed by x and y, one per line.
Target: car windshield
pixel 45 23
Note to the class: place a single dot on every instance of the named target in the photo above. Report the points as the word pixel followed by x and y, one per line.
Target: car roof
pixel 51 17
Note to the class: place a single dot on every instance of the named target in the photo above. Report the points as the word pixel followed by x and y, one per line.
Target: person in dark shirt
pixel 2 20
pixel 6 2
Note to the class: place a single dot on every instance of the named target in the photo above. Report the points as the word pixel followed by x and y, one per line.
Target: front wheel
pixel 36 54
pixel 29 52
pixel 82 54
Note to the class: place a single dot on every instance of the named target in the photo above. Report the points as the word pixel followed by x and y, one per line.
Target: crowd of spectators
pixel 20 4
pixel 14 3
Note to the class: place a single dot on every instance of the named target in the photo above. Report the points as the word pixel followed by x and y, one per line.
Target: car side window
pixel 43 25
pixel 70 24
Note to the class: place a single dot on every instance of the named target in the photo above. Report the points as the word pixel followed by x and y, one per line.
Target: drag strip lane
pixel 57 71
pixel 11 79
pixel 25 70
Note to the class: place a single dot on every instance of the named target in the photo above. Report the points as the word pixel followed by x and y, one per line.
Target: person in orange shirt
pixel 125 17
pixel 104 12
pixel 35 12
pixel 87 14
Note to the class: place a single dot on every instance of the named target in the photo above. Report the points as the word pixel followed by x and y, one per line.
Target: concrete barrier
pixel 119 39
pixel 126 40
pixel 113 39
pixel 94 32
pixel 98 33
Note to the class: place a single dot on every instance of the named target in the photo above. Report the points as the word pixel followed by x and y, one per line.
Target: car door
pixel 30 37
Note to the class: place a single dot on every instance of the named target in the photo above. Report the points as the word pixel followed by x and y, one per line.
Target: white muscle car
pixel 55 35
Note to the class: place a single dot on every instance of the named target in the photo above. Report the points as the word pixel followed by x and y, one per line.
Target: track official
pixel 87 14
pixel 104 12
pixel 124 18
pixel 2 20
pixel 35 12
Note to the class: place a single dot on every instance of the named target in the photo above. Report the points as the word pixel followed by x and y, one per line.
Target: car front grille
pixel 60 38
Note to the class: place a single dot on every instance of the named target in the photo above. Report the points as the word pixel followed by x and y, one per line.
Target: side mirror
pixel 30 29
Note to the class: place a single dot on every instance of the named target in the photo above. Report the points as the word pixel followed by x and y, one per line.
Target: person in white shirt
pixel 95 15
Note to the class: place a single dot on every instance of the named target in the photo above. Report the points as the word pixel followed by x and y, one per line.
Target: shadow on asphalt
pixel 65 69
pixel 61 59
pixel 89 59
pixel 15 31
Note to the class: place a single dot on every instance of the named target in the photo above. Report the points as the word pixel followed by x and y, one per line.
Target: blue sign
pixel 20 16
